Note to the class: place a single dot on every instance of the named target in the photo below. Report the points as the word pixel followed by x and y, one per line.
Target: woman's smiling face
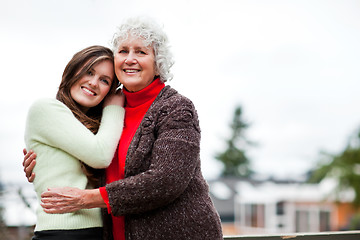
pixel 135 64
pixel 92 88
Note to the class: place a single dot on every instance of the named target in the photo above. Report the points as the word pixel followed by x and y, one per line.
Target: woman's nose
pixel 130 59
pixel 94 82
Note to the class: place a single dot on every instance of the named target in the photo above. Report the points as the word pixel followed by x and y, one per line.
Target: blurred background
pixel 288 71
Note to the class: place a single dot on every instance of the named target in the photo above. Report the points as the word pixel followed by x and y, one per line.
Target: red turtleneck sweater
pixel 137 104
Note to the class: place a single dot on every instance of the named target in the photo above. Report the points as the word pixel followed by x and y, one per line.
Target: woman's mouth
pixel 88 91
pixel 131 70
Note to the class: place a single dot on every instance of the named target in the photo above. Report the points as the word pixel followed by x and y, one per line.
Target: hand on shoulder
pixel 117 98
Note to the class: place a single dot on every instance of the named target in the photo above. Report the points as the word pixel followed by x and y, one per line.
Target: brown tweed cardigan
pixel 164 195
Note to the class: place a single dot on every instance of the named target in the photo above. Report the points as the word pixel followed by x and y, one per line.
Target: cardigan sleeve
pixel 50 122
pixel 173 160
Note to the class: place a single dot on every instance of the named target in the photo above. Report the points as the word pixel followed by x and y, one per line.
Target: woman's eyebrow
pixel 106 76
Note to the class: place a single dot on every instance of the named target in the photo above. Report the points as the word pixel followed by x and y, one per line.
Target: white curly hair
pixel 153 35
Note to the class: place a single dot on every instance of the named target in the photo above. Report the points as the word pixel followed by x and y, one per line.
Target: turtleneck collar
pixel 149 93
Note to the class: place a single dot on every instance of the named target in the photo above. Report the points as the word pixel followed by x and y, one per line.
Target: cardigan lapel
pixel 141 144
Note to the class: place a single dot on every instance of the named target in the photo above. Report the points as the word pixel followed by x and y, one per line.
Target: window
pixel 280 208
pixel 324 221
pixel 302 221
pixel 255 215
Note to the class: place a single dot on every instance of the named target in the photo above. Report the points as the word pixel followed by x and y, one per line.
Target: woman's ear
pixel 157 72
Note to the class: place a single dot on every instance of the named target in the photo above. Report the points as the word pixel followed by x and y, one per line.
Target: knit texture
pixel 164 195
pixel 60 141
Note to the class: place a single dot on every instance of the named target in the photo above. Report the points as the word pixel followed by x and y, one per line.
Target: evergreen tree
pixel 344 167
pixel 234 159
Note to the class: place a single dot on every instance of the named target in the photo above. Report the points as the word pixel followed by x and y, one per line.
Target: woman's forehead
pixel 135 42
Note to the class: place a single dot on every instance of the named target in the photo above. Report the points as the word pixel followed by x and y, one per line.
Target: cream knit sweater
pixel 60 141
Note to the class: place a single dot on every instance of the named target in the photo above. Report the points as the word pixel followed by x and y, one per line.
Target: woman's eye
pixel 105 81
pixel 122 51
pixel 90 73
pixel 142 52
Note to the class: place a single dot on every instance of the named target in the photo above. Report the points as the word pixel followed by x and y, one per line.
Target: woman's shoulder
pixel 171 96
pixel 172 110
pixel 47 102
pixel 170 100
pixel 46 106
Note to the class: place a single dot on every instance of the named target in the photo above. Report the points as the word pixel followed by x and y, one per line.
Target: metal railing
pixel 345 235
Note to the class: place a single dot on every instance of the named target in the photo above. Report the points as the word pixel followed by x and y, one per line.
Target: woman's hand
pixel 62 200
pixel 29 164
pixel 69 199
pixel 117 98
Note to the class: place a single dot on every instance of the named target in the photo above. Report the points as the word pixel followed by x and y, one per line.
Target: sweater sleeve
pixel 105 197
pixel 173 160
pixel 51 122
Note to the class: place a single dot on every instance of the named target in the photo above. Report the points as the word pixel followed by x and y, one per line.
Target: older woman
pixel 154 185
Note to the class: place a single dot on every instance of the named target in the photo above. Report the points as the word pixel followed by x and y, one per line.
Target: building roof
pixel 295 192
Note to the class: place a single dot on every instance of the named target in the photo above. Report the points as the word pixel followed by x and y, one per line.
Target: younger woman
pixel 70 141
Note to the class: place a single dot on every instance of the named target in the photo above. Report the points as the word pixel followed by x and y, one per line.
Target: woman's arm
pixel 67 199
pixel 52 123
pixel 29 157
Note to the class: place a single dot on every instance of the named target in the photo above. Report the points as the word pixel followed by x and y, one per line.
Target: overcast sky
pixel 292 65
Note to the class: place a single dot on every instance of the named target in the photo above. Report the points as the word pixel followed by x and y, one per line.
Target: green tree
pixel 3 227
pixel 234 159
pixel 344 167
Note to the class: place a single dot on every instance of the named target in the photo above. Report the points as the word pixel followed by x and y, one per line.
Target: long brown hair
pixel 77 67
